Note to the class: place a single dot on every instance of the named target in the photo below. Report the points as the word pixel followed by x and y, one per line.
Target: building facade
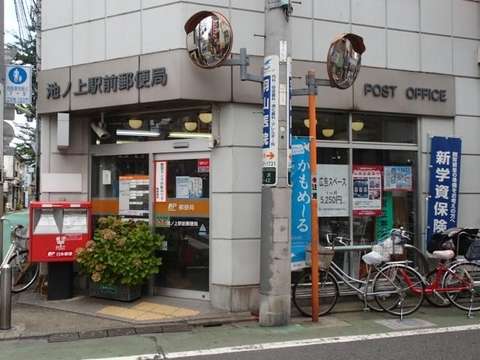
pixel 129 123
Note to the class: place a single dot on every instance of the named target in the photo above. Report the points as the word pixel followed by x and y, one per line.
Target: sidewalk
pixel 83 317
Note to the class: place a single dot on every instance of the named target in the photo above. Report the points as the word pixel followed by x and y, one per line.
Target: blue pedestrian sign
pixel 18 84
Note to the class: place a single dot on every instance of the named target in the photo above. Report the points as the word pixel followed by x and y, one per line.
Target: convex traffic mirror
pixel 209 39
pixel 344 60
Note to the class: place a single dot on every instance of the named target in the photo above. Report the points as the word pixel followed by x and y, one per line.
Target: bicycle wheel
pixel 466 275
pixel 327 293
pixel 437 299
pixel 24 272
pixel 398 289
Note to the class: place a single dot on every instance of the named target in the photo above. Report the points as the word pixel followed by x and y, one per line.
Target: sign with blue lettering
pixel 301 198
pixel 270 119
pixel 18 84
pixel 444 184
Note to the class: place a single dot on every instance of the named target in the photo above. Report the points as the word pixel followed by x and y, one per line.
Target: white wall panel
pixel 468 128
pixel 434 127
pixel 465 19
pixel 436 54
pixel 403 50
pixel 370 12
pixel 153 3
pixel 123 36
pixel 323 34
pixel 88 10
pixel 115 7
pixel 305 8
pixel 468 177
pixel 302 43
pixel 468 214
pixel 246 25
pixel 375 43
pixel 161 30
pixel 242 4
pixel 56 48
pixel 403 14
pixel 237 262
pixel 467 95
pixel 436 16
pixel 56 13
pixel 465 57
pixel 84 49
pixel 338 10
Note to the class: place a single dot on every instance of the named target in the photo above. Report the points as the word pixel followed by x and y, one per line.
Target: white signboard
pixel 332 190
pixel 18 84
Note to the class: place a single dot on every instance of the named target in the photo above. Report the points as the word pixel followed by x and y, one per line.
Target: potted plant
pixel 119 258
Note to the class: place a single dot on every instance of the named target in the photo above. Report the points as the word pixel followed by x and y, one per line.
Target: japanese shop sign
pixel 160 181
pixel 270 120
pixel 397 178
pixel 444 184
pixel 109 83
pixel 367 190
pixel 18 84
pixel 301 208
pixel 332 190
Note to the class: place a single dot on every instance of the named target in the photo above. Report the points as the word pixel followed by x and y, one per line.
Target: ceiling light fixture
pixel 205 118
pixel 190 125
pixel 357 125
pixel 328 132
pixel 306 122
pixel 184 135
pixel 123 132
pixel 135 123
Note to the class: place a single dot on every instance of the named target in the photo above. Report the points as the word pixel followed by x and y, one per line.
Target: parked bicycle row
pixel 397 286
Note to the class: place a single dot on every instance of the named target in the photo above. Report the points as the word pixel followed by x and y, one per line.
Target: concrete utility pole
pixel 275 271
pixel 2 97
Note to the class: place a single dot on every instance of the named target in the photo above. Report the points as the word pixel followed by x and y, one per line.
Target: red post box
pixel 58 228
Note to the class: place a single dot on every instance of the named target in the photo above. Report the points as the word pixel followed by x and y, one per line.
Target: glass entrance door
pixel 181 213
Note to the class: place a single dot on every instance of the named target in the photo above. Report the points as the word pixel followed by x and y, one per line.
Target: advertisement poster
pixel 367 190
pixel 397 178
pixel 444 184
pixel 301 206
pixel 160 181
pixel 332 190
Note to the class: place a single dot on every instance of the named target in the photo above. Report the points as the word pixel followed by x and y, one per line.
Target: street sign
pixel 271 73
pixel 18 84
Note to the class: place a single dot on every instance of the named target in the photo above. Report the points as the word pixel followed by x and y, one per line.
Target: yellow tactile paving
pixel 147 311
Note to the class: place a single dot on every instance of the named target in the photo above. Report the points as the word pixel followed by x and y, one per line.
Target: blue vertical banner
pixel 444 184
pixel 301 197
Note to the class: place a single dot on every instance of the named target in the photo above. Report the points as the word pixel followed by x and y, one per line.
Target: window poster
pixel 367 190
pixel 444 184
pixel 301 205
pixel 332 190
pixel 397 178
pixel 133 195
pixel 160 181
pixel 181 187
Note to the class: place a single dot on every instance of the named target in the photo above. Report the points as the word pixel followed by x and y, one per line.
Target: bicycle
pixel 24 272
pixel 396 287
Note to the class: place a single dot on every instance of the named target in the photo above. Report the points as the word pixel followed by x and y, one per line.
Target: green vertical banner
pixel 384 223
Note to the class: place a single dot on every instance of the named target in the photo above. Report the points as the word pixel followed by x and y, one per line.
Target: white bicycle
pixel 24 272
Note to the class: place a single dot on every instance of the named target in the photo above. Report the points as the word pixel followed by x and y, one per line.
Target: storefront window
pixel 129 128
pixel 384 128
pixel 330 125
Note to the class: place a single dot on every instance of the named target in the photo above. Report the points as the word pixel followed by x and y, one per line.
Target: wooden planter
pixel 115 292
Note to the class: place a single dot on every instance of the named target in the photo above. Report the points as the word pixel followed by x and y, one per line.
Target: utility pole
pixel 275 268
pixel 2 97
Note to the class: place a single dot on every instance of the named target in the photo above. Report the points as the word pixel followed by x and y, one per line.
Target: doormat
pixel 405 323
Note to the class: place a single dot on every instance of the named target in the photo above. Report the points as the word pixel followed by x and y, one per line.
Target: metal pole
pixel 6 297
pixel 2 97
pixel 312 119
pixel 275 268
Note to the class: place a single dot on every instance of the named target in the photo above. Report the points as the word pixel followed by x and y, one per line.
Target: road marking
pixel 296 343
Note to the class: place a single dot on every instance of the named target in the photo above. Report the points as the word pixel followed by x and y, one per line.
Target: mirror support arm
pixel 313 84
pixel 243 62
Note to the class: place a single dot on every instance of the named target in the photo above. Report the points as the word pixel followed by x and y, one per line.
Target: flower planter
pixel 115 292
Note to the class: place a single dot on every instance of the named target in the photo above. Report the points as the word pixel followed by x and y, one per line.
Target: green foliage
pixel 120 252
pixel 23 150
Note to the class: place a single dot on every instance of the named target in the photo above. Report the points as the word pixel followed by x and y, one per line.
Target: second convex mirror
pixel 209 39
pixel 344 60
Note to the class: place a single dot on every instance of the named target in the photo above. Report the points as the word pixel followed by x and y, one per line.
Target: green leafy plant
pixel 120 252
